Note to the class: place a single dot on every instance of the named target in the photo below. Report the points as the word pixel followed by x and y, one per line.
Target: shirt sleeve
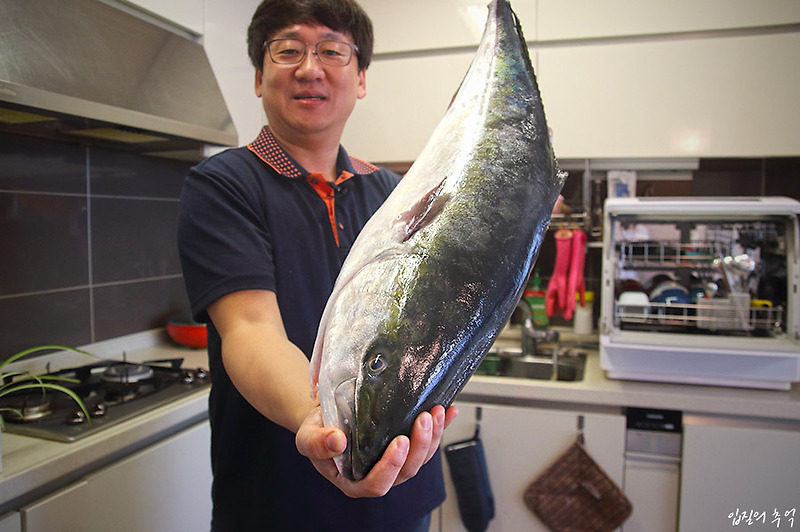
pixel 223 240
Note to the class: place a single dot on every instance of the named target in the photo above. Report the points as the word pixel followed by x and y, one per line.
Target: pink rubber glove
pixel 576 283
pixel 556 298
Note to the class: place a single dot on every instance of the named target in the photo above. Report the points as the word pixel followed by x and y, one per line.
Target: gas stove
pixel 112 391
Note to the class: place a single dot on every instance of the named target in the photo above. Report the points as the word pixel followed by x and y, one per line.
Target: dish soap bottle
pixel 535 297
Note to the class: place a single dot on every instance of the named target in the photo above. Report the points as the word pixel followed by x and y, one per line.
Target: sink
pixel 569 369
pixel 510 362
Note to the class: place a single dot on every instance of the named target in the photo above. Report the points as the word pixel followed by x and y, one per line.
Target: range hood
pixel 84 70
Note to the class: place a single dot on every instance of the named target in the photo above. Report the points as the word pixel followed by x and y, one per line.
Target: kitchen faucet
pixel 532 335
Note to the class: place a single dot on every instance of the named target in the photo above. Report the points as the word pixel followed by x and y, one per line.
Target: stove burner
pixel 127 373
pixel 26 409
pixel 113 391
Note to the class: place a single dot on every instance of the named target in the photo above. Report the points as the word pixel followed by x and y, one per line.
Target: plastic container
pixel 582 321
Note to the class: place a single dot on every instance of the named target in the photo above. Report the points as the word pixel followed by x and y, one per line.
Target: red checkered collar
pixel 266 147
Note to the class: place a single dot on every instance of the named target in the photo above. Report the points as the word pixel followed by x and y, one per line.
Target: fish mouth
pixel 344 397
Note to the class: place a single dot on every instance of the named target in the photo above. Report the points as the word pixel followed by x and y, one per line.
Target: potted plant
pixel 16 381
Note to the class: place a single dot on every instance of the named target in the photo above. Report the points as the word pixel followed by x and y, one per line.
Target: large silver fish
pixel 439 268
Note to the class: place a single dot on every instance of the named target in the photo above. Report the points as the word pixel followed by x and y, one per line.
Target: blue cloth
pixel 252 218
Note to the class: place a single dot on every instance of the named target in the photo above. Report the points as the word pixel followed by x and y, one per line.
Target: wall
pixel 88 234
pixel 88 243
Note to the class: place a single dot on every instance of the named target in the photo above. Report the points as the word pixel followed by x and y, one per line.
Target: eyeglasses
pixel 293 51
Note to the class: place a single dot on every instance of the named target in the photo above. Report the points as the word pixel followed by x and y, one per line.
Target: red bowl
pixel 188 333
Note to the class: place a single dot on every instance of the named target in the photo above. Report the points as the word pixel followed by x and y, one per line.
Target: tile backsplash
pixel 88 243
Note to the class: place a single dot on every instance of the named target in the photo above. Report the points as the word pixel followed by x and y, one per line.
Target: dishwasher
pixel 652 469
pixel 701 291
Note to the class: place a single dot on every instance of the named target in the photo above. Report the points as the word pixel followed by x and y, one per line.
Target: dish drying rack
pixel 688 269
pixel 730 314
pixel 663 255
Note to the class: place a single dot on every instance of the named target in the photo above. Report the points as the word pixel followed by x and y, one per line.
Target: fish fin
pixel 423 212
pixel 315 365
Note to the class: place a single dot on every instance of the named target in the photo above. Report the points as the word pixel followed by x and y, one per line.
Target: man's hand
pixel 402 459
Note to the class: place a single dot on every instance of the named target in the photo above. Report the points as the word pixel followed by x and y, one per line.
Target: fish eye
pixel 376 364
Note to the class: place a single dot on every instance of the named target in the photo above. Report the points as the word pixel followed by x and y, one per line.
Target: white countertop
pixel 596 390
pixel 32 467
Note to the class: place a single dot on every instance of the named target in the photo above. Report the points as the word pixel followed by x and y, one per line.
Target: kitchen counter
pixel 33 467
pixel 596 391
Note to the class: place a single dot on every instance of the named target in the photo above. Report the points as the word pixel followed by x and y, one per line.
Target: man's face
pixel 309 98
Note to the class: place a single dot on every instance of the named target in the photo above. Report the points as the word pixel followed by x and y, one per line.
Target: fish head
pixel 356 367
pixel 371 383
pixel 381 403
pixel 371 405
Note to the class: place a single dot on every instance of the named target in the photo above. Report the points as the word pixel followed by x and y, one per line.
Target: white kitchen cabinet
pixel 699 97
pixel 406 99
pixel 619 79
pixel 165 487
pixel 730 470
pixel 425 25
pixel 520 443
pixel 11 522
pixel 721 97
pixel 578 19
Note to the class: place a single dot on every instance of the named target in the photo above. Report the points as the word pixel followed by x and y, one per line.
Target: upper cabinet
pixel 578 19
pixel 698 97
pixel 414 25
pixel 619 78
pixel 406 98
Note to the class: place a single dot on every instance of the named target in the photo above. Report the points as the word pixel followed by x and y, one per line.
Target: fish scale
pixel 439 268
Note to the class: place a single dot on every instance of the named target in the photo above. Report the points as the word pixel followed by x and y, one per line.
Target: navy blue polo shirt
pixel 253 218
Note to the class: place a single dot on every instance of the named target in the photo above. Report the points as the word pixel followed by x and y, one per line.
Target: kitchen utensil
pixel 633 305
pixel 743 264
pixel 187 332
pixel 657 280
pixel 736 270
pixel 670 292
pixel 711 289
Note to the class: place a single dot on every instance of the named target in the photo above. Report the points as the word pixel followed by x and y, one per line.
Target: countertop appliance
pixel 701 291
pixel 112 391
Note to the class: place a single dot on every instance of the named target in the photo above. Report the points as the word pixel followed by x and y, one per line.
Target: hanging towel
pixel 471 479
pixel 575 494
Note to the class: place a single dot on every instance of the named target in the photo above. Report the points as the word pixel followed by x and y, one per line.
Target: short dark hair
pixel 343 16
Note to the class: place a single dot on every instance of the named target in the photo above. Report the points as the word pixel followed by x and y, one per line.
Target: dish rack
pixel 729 314
pixel 733 314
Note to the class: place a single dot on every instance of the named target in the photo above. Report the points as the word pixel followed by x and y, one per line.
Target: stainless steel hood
pixel 85 70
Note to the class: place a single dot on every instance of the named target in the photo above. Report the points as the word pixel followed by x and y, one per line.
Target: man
pixel 263 232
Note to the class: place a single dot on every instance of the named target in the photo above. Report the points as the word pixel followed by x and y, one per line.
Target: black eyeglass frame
pixel 266 49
